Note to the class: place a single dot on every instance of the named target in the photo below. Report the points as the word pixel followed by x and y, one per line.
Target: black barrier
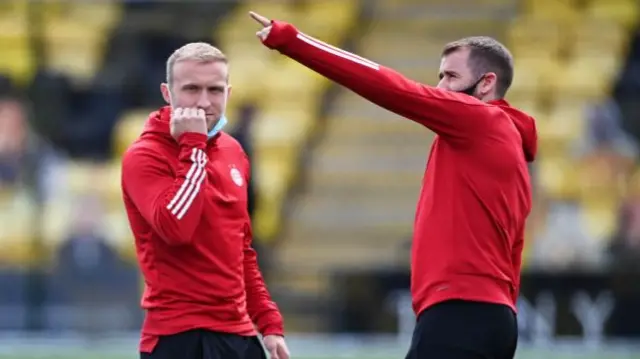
pixel 592 306
pixel 587 305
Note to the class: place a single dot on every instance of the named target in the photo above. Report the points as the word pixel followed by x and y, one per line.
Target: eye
pixel 447 74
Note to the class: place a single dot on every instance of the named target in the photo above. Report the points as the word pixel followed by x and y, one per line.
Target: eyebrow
pixel 212 87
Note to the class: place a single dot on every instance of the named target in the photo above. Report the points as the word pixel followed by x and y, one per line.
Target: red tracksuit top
pixel 476 193
pixel 186 202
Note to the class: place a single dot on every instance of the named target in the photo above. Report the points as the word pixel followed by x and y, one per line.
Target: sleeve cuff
pixel 281 35
pixel 271 325
pixel 273 330
pixel 192 139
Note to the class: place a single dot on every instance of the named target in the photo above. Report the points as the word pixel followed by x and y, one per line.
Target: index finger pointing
pixel 260 19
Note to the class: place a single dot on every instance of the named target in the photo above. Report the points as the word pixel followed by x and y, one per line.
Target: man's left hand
pixel 276 347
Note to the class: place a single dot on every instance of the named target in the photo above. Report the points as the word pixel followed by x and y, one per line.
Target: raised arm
pixel 447 113
pixel 171 204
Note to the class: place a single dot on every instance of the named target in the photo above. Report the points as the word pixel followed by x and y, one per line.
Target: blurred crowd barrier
pixel 335 179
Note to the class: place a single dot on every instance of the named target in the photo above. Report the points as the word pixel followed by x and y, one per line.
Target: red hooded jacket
pixel 476 193
pixel 187 206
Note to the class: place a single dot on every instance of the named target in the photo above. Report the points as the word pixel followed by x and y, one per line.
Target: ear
pixel 166 93
pixel 489 83
pixel 229 88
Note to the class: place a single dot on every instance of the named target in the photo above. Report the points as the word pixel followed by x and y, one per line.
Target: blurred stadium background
pixel 335 178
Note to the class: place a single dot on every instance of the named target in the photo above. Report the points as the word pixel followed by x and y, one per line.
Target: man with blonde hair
pixel 184 184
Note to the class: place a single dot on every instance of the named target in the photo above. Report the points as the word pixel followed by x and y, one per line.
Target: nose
pixel 203 100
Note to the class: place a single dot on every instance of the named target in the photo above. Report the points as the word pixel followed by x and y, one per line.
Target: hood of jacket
pixel 157 124
pixel 526 126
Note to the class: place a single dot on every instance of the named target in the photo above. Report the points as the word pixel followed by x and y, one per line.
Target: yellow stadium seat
pixel 244 68
pixel 600 195
pixel 329 20
pixel 17 218
pixel 17 59
pixel 101 15
pixel 238 27
pixel 14 8
pixel 556 134
pixel 601 220
pixel 589 77
pixel 288 95
pixel 83 178
pixel 536 37
pixel 74 48
pixel 56 220
pixel 111 192
pixel 281 126
pixel 528 104
pixel 52 9
pixel 566 119
pixel 526 80
pixel 272 183
pixel 541 70
pixel 295 85
pixel 624 12
pixel 598 36
pixel 128 128
pixel 556 177
pixel 282 10
pixel 117 232
pixel 565 10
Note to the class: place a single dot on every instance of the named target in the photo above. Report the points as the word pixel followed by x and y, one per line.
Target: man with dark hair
pixel 476 193
pixel 485 55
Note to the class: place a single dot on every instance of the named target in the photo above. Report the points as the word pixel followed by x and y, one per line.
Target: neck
pixel 489 98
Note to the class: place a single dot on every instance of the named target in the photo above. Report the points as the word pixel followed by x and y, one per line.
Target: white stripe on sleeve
pixel 193 195
pixel 191 186
pixel 198 177
pixel 337 51
pixel 185 184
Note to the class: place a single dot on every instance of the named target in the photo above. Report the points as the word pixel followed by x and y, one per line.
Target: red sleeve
pixel 263 311
pixel 171 204
pixel 447 113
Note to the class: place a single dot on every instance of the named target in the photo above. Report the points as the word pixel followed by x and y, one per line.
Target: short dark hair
pixel 486 55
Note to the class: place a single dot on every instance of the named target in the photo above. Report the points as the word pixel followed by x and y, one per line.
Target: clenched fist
pixel 188 120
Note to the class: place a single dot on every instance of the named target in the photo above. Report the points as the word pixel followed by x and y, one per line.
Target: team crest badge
pixel 236 176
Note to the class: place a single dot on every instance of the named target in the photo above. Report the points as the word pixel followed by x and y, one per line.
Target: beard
pixel 471 90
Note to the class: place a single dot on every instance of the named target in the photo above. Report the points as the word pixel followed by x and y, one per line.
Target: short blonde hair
pixel 194 51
